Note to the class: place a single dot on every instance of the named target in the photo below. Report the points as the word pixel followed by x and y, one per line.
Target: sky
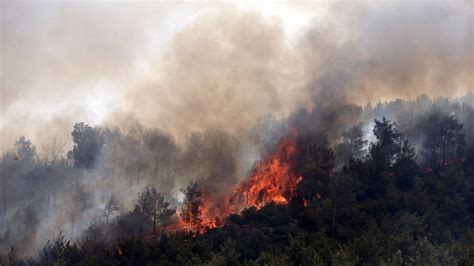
pixel 187 66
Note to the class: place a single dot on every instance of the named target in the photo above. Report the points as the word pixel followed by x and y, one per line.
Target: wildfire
pixel 273 180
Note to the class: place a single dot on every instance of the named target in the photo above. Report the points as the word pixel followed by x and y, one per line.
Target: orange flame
pixel 274 180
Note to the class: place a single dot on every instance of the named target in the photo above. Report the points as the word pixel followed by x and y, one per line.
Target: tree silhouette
pixel 191 214
pixel 405 168
pixel 112 206
pixel 87 144
pixel 351 146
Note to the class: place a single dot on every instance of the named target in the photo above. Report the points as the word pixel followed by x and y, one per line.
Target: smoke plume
pixel 184 92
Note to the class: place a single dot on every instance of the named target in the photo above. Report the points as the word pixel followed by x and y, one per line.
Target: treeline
pixel 48 191
pixel 401 194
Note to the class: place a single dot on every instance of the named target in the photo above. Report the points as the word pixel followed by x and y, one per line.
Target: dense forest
pixel 390 184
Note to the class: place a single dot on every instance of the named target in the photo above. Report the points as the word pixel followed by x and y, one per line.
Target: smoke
pixel 221 67
pixel 68 62
pixel 221 72
pixel 226 70
pixel 378 52
pixel 214 89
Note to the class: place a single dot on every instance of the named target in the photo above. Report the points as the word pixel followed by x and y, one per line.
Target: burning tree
pixel 191 214
pixel 273 180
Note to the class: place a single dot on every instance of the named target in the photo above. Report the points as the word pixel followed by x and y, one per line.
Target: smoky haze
pixel 222 67
pixel 179 92
pixel 228 70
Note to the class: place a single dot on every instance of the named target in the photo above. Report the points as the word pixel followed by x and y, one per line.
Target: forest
pixel 389 184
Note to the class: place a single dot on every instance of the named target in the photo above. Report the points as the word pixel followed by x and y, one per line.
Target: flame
pixel 273 180
pixel 305 203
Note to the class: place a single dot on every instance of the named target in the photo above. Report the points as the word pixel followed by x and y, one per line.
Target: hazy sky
pixel 187 66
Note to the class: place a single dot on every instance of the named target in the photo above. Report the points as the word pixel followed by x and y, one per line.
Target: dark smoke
pixel 225 89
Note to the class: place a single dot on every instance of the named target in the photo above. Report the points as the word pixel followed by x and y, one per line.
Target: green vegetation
pixel 381 202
